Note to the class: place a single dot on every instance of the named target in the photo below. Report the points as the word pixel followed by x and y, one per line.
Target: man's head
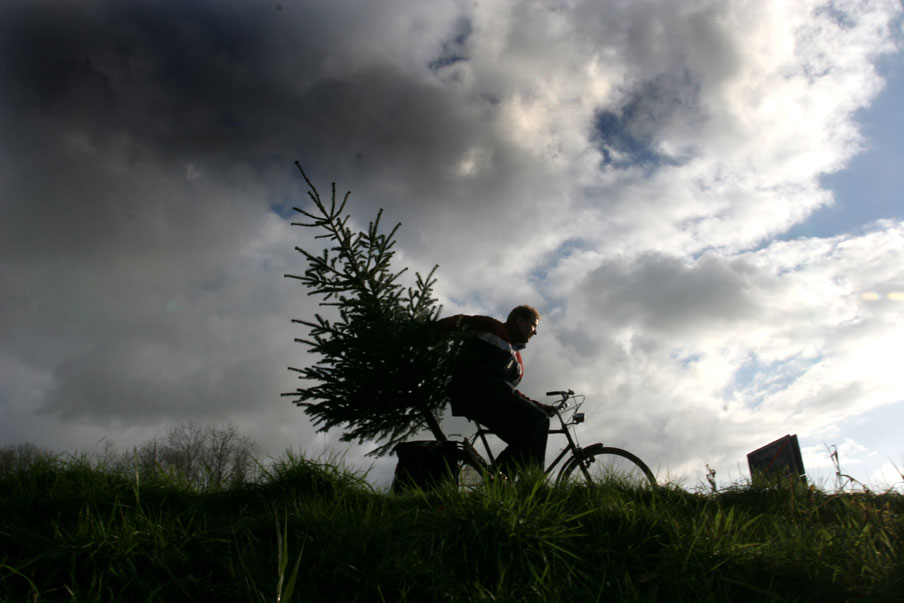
pixel 522 323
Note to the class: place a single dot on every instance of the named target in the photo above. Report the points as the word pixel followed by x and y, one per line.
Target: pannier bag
pixel 424 463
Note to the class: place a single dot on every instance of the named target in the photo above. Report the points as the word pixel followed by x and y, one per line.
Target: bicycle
pixel 595 463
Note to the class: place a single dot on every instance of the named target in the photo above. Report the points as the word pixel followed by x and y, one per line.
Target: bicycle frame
pixel 572 445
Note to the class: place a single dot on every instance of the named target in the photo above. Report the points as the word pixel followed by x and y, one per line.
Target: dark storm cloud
pixel 108 108
pixel 380 120
pixel 106 102
pixel 143 145
pixel 192 79
pixel 178 76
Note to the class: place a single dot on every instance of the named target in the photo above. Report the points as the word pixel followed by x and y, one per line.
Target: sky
pixel 702 198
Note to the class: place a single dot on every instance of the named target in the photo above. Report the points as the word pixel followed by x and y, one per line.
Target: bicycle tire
pixel 637 475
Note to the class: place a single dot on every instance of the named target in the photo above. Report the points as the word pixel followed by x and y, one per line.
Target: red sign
pixel 781 457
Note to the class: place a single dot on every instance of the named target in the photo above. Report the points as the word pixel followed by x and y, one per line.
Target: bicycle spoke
pixel 611 466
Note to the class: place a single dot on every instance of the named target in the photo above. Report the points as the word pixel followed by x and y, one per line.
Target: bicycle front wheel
pixel 600 464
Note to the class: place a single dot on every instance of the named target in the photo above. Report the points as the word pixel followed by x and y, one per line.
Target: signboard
pixel 779 458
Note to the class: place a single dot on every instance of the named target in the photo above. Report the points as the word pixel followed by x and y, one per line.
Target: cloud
pixel 778 340
pixel 628 168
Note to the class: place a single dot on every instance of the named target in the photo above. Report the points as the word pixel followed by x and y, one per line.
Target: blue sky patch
pixel 871 187
pixel 629 136
pixel 755 381
pixel 454 50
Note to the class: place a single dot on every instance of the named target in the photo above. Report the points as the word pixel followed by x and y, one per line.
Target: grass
pixel 76 530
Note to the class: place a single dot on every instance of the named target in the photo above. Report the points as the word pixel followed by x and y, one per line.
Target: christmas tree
pixel 382 367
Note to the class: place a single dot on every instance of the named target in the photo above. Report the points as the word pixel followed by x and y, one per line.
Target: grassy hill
pixel 81 530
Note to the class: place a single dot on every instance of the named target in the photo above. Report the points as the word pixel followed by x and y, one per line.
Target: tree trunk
pixel 433 424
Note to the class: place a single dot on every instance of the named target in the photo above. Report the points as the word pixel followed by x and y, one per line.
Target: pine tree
pixel 382 367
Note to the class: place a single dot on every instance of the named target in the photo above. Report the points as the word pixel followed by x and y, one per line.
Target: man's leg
pixel 526 433
pixel 516 420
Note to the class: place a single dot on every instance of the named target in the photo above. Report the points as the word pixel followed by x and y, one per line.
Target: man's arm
pixel 450 323
pixel 549 409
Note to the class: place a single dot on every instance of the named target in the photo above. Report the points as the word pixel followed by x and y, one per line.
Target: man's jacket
pixel 487 358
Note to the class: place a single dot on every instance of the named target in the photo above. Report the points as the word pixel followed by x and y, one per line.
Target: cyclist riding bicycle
pixel 482 388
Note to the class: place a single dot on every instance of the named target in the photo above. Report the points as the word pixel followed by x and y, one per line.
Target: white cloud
pixel 740 348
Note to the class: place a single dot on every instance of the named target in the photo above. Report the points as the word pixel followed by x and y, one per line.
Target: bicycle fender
pixel 591 449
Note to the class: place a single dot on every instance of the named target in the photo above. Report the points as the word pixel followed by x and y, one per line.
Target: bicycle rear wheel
pixel 600 464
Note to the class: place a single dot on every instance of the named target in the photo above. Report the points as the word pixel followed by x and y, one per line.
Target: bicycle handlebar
pixel 565 395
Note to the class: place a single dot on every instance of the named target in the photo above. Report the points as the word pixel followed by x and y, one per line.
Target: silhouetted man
pixel 483 384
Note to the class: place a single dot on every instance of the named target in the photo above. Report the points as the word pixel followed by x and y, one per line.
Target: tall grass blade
pixel 282 540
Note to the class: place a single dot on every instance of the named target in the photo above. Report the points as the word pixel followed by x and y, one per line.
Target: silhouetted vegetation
pixel 81 528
